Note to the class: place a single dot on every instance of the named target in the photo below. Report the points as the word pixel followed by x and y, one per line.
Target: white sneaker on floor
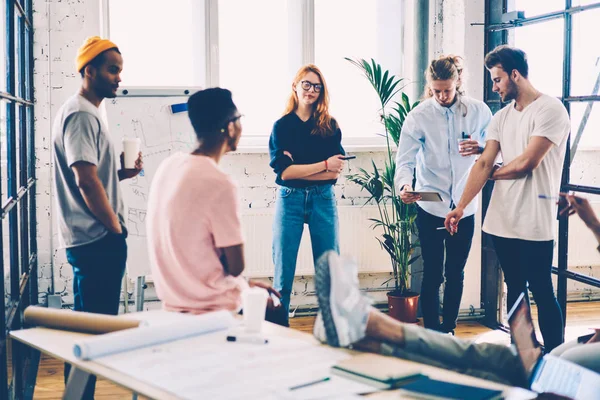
pixel 343 310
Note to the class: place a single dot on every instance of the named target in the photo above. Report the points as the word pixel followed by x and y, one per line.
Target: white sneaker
pixel 343 310
pixel 319 329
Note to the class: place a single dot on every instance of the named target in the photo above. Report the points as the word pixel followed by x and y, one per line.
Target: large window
pixel 564 59
pixel 254 48
pixel 18 260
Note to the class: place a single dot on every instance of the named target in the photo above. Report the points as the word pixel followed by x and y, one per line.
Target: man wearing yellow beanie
pixel 86 180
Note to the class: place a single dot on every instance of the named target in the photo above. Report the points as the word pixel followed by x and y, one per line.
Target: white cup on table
pixel 131 148
pixel 254 307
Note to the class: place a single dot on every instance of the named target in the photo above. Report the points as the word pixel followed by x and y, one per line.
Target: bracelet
pixel 326 166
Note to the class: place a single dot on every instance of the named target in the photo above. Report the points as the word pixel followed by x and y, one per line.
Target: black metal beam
pixel 541 18
pixel 582 189
pixel 563 222
pixel 573 99
pixel 490 267
pixel 588 280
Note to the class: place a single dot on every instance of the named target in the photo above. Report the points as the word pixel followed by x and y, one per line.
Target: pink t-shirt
pixel 193 212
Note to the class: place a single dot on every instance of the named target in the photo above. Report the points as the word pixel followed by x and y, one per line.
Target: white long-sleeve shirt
pixel 429 144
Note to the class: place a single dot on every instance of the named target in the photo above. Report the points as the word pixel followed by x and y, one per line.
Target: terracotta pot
pixel 403 307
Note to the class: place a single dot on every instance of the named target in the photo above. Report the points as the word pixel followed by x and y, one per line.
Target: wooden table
pixel 59 344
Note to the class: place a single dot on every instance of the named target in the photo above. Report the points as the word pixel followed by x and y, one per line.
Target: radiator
pixel 357 241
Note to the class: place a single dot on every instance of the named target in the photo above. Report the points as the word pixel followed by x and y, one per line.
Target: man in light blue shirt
pixel 440 139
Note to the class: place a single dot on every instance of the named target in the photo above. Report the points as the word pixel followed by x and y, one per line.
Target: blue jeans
pixel 98 270
pixel 294 207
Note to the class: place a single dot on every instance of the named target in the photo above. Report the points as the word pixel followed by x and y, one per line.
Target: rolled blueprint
pixel 77 321
pixel 116 342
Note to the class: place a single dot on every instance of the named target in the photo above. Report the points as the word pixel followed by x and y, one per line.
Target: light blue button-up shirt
pixel 429 143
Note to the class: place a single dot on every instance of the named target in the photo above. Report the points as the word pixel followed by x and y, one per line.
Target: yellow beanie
pixel 92 46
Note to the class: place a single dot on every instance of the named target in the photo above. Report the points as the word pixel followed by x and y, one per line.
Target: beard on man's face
pixel 512 91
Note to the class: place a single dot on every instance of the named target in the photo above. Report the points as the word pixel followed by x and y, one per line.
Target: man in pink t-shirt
pixel 194 231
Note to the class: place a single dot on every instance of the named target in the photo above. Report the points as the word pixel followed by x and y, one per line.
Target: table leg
pixel 76 384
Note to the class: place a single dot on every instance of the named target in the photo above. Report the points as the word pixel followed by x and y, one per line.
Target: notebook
pixel 376 370
pixel 425 388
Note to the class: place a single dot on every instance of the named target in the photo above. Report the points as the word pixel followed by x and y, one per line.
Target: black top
pixel 293 135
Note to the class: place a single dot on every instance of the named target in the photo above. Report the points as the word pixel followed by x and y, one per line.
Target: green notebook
pixel 376 370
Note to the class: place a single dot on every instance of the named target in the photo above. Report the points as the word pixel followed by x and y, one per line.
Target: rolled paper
pixel 77 321
pixel 117 342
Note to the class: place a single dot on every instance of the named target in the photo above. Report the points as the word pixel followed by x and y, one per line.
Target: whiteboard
pixel 161 134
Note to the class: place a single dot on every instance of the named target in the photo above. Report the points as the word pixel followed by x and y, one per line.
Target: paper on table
pixel 208 366
pixel 116 342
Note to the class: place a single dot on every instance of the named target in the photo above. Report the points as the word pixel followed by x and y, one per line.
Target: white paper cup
pixel 131 148
pixel 460 142
pixel 254 306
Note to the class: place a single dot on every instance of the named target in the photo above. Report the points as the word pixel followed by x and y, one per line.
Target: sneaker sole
pixel 323 286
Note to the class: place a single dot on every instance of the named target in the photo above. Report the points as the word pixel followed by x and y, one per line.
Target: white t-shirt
pixel 515 210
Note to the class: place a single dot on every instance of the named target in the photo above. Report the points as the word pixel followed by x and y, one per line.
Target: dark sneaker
pixel 343 310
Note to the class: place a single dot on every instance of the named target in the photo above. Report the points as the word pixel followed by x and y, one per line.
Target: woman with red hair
pixel 306 154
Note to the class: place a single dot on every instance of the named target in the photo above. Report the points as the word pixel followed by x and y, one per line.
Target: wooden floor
pixel 581 317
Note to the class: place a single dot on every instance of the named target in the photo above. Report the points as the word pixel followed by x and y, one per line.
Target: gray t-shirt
pixel 79 134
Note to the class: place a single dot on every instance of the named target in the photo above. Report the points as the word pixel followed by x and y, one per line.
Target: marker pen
pixel 247 339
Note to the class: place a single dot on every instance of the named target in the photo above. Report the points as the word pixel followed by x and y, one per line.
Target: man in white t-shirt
pixel 531 134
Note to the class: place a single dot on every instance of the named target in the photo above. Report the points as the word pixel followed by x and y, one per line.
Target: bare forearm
pixel 96 199
pixel 302 171
pixel 477 178
pixel 515 169
pixel 322 176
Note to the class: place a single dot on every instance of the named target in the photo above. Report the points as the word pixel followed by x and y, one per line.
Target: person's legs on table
pixel 346 318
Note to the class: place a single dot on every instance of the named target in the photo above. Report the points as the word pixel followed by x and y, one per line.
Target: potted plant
pixel 397 219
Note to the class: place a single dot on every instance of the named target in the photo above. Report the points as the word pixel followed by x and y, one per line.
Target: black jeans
pixel 434 243
pixel 528 263
pixel 98 270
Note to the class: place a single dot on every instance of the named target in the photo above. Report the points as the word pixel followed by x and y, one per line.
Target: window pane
pixel 585 73
pixel 161 46
pixel 585 124
pixel 365 30
pixel 575 3
pixel 537 7
pixel 545 66
pixel 585 143
pixel 258 65
pixel 3 154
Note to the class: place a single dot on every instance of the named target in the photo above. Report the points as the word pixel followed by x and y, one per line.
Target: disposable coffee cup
pixel 254 306
pixel 460 141
pixel 131 148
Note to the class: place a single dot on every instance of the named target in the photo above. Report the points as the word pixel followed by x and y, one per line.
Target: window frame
pixel 20 205
pixel 497 33
pixel 249 143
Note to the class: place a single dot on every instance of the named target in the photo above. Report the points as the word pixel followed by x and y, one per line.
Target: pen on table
pixel 303 385
pixel 247 339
